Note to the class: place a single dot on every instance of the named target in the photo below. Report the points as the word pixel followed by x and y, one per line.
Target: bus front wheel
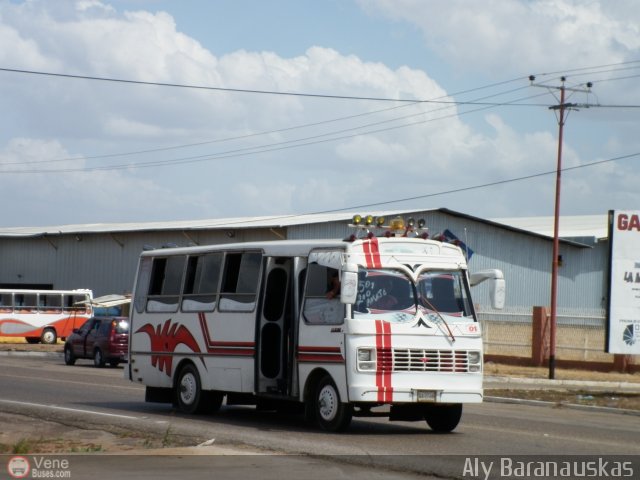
pixel 443 418
pixel 49 336
pixel 331 414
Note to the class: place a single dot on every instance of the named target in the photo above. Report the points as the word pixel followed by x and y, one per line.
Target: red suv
pixel 105 339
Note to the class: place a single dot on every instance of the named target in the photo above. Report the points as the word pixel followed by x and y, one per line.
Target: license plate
pixel 426 395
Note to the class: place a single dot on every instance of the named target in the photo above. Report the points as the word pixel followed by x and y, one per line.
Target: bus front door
pixel 274 329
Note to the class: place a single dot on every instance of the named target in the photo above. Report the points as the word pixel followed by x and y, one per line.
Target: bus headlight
pixel 367 359
pixel 474 358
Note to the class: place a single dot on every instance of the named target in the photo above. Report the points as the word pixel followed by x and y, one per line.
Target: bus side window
pixel 142 284
pixel 201 283
pixel 164 287
pixel 27 303
pixel 240 281
pixel 6 303
pixel 319 307
pixel 76 303
pixel 50 303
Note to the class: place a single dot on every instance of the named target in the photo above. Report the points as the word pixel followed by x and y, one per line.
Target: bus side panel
pixel 221 346
pixel 32 324
pixel 321 347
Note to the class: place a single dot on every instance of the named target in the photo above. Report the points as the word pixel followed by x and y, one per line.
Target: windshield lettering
pixel 397 297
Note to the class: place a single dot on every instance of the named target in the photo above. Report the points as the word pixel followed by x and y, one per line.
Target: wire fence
pixel 580 333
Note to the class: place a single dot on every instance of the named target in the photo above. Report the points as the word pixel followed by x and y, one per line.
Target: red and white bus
pixel 335 328
pixel 43 315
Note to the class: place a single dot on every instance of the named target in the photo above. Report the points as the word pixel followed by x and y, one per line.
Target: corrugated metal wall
pixel 106 263
pixel 524 259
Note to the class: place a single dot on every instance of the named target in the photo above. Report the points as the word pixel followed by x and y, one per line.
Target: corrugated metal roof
pixel 274 221
pixel 570 226
pixel 578 226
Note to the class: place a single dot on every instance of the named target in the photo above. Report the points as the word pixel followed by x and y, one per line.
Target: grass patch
pixel 23 446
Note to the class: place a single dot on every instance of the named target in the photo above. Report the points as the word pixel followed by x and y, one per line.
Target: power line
pixel 313 140
pixel 296 142
pixel 295 127
pixel 584 70
pixel 447 192
pixel 226 89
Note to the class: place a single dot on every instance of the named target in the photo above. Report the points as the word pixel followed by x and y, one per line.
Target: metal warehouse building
pixel 103 257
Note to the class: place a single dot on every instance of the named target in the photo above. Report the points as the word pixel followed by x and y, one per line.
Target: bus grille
pixel 421 360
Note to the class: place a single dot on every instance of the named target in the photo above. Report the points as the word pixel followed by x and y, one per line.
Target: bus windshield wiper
pixel 429 305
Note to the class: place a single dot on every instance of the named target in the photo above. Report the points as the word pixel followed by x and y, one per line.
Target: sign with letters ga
pixel 623 312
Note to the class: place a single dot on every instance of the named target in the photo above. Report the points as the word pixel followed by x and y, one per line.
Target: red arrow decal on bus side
pixel 165 340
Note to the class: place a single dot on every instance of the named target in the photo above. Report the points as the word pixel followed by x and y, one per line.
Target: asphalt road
pixel 102 398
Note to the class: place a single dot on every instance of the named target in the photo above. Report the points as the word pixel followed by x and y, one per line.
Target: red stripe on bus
pixel 218 347
pixel 319 349
pixel 375 253
pixel 315 358
pixel 366 248
pixel 384 362
pixel 319 354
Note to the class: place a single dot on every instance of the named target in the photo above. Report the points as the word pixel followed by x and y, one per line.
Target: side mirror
pixel 497 286
pixel 349 284
pixel 497 293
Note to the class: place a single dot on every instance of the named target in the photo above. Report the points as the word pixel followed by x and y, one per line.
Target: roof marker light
pixel 397 224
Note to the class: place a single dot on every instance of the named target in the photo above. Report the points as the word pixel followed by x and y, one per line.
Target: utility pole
pixel 562 108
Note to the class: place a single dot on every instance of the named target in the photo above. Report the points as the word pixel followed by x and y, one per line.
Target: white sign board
pixel 623 314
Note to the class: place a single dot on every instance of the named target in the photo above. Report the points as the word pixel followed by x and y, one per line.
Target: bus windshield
pixel 394 296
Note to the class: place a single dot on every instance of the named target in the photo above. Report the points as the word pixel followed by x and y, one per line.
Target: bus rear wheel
pixel 443 418
pixel 331 414
pixel 190 398
pixel 49 336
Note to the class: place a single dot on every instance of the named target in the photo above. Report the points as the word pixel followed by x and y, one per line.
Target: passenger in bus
pixel 334 286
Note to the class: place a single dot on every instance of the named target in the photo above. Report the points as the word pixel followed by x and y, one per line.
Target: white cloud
pixel 387 150
pixel 522 35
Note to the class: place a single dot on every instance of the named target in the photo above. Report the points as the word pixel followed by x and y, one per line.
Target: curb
pixel 19 353
pixel 545 382
pixel 573 406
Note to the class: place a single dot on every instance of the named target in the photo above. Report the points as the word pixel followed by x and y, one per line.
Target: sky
pixel 157 110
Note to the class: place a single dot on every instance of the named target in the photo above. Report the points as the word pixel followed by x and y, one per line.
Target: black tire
pixel 32 340
pixel 211 401
pixel 189 395
pixel 114 363
pixel 69 357
pixel 98 358
pixel 331 414
pixel 443 418
pixel 49 336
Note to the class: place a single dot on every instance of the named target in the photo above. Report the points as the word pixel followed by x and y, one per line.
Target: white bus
pixel 43 315
pixel 365 326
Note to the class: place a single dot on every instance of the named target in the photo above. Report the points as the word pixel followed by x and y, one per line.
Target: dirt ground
pixel 21 434
pixel 564 395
